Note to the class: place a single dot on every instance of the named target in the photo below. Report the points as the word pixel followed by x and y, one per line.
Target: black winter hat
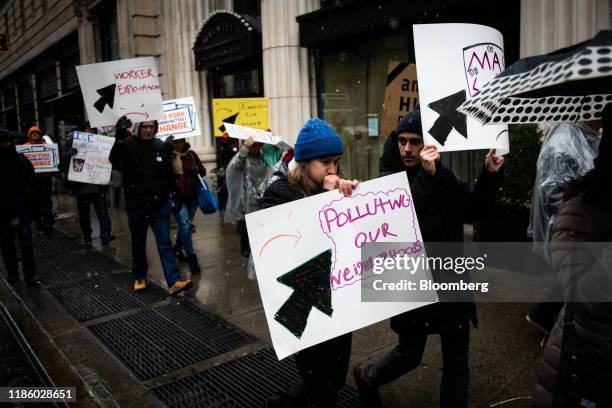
pixel 411 122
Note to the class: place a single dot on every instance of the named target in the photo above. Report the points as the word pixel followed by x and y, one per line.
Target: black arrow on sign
pixel 311 288
pixel 107 97
pixel 449 117
pixel 230 119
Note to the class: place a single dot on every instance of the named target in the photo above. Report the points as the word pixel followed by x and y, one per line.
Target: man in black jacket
pixel 16 184
pixel 442 205
pixel 149 182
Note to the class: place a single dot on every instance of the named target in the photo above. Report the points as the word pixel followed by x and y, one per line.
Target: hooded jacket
pixel 442 205
pixel 146 167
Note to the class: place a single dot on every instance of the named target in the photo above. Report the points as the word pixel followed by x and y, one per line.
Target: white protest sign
pixel 180 119
pixel 127 87
pixel 320 237
pixel 261 136
pixel 91 164
pixel 44 156
pixel 453 61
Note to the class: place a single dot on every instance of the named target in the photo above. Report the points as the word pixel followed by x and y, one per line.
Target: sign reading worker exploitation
pixel 401 94
pixel 307 256
pixel 44 157
pixel 250 112
pixel 119 88
pixel 91 164
pixel 453 62
pixel 180 119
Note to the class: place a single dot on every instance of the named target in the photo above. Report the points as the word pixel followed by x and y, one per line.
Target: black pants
pixel 17 228
pixel 407 355
pixel 323 369
pixel 43 207
pixel 244 237
pixel 84 201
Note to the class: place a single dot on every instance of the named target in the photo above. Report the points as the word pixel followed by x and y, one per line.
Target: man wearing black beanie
pixel 442 205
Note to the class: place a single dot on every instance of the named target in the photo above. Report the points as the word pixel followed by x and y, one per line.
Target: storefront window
pixel 351 99
pixel 351 96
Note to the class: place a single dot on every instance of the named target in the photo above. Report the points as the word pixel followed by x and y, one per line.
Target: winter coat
pixel 280 192
pixel 187 182
pixel 16 178
pixel 442 205
pixel 585 217
pixel 148 179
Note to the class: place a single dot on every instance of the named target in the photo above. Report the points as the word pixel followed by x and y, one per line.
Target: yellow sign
pixel 251 112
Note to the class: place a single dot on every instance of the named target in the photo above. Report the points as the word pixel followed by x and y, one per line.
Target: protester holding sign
pixel 87 194
pixel 186 166
pixel 323 367
pixel 16 183
pixel 442 205
pixel 43 209
pixel 149 181
pixel 247 177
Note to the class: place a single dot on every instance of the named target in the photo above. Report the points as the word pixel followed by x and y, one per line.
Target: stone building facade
pixel 293 69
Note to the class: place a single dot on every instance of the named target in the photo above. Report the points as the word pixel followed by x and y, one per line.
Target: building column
pixel 182 20
pixel 547 25
pixel 287 68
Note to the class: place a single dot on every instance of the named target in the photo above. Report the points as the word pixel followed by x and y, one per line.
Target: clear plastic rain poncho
pixel 567 153
pixel 247 177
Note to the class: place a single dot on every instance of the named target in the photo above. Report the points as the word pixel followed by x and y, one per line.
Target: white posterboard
pixel 180 119
pixel 119 88
pixel 43 156
pixel 288 238
pixel 261 136
pixel 453 62
pixel 91 164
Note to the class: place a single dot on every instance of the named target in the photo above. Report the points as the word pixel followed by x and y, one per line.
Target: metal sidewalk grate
pixel 153 293
pixel 92 298
pixel 242 383
pixel 49 246
pixel 155 342
pixel 62 268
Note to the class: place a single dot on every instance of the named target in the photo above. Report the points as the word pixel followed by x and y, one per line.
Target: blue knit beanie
pixel 411 122
pixel 317 139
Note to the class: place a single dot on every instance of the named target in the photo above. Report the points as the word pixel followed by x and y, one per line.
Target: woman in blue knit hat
pixel 323 367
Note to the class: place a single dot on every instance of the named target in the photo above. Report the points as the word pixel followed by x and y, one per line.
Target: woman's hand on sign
pixel 429 157
pixel 492 162
pixel 346 187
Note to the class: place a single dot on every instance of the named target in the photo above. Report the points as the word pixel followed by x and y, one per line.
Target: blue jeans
pixel 139 220
pixel 184 217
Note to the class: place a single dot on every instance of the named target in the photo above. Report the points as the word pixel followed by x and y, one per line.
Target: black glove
pixel 121 128
pixel 169 139
pixel 194 171
pixel 72 151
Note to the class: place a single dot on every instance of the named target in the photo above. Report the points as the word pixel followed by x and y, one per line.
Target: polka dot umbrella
pixel 568 85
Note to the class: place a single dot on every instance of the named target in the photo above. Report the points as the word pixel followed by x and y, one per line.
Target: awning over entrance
pixel 225 38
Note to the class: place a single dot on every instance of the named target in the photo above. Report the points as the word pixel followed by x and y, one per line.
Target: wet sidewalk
pixel 210 347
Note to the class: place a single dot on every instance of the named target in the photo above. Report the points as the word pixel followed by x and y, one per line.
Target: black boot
pixel 179 254
pixel 193 264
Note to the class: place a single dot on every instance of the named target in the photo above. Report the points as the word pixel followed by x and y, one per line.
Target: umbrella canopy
pixel 572 84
